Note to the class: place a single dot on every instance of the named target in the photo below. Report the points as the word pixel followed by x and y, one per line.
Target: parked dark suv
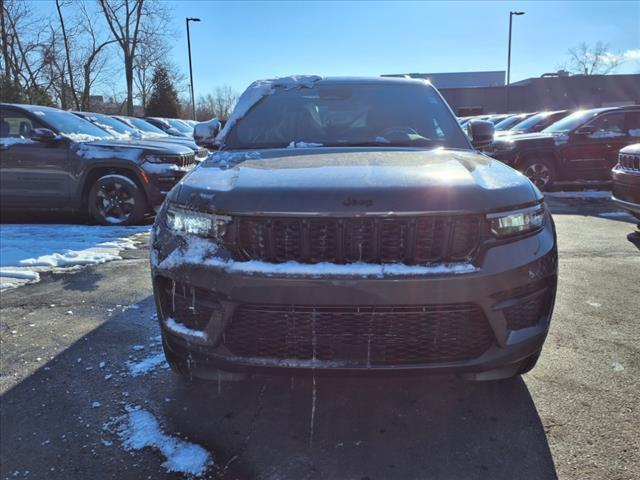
pixel 581 146
pixel 626 179
pixel 123 130
pixel 535 123
pixel 51 159
pixel 348 224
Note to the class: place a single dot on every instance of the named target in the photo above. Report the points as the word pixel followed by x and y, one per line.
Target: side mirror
pixel 42 135
pixel 480 132
pixel 205 133
pixel 585 130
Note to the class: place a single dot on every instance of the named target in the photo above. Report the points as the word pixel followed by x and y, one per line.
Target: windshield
pixel 111 124
pixel 571 122
pixel 509 122
pixel 145 126
pixel 72 126
pixel 530 122
pixel 179 125
pixel 349 115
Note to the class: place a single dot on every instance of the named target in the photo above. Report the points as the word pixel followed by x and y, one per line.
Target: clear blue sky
pixel 238 42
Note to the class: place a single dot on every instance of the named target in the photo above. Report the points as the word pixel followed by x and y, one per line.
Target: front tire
pixel 541 172
pixel 116 200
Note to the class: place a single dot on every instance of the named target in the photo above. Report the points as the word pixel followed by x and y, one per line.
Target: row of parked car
pixel 563 146
pixel 117 168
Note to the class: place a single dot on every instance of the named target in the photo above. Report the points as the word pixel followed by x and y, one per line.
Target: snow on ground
pixel 138 429
pixel 147 364
pixel 582 194
pixel 28 250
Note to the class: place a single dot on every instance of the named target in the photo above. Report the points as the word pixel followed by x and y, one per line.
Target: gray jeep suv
pixel 348 224
pixel 54 160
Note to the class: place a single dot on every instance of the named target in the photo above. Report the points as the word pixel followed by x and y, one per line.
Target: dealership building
pixel 475 93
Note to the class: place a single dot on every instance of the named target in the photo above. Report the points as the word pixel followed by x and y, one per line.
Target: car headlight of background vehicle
pixel 184 221
pixel 515 222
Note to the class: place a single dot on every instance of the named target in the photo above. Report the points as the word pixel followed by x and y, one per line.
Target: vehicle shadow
pixel 366 428
pixel 401 427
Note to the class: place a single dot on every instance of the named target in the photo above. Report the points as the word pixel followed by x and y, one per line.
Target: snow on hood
pixel 103 151
pixel 82 137
pixel 303 145
pixel 259 89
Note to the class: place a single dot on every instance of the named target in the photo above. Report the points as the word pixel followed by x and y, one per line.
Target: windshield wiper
pixel 418 142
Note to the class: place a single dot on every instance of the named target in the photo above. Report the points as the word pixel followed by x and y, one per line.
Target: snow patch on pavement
pixel 28 250
pixel 139 429
pixel 147 365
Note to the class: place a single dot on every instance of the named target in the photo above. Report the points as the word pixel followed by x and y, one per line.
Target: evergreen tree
pixel 163 101
pixel 11 92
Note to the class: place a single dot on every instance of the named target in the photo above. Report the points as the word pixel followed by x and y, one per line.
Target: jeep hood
pixel 352 181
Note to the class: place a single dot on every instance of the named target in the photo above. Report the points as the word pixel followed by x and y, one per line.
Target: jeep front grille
pixel 366 335
pixel 409 240
pixel 629 161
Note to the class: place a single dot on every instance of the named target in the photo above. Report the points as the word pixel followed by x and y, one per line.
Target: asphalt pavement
pixel 79 351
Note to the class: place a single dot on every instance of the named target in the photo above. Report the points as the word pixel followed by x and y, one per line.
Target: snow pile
pixel 28 250
pixel 259 89
pixel 139 429
pixel 148 364
pixel 202 252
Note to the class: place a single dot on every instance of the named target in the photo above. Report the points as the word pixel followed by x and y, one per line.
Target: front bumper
pixel 511 292
pixel 626 189
pixel 159 179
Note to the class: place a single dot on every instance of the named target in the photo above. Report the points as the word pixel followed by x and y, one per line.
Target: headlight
pixel 181 220
pixel 505 224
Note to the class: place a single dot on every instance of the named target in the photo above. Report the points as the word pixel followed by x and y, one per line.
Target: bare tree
pixel 220 104
pixel 584 59
pixel 65 39
pixel 24 47
pixel 92 59
pixel 129 22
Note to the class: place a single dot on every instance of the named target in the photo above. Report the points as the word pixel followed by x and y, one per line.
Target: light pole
pixel 511 14
pixel 193 98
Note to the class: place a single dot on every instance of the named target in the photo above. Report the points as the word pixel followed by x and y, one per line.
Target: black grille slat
pixel 369 336
pixel 629 161
pixel 410 240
